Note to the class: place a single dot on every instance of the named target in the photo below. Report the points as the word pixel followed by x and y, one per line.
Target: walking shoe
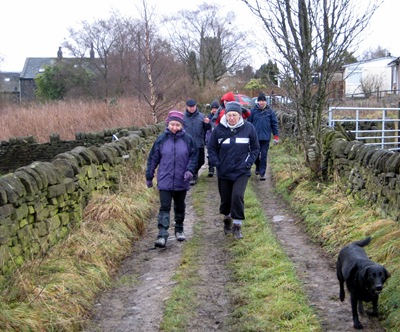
pixel 262 177
pixel 256 172
pixel 210 173
pixel 227 225
pixel 236 230
pixel 193 182
pixel 160 242
pixel 180 236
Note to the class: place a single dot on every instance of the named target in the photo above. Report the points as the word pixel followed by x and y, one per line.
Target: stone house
pixel 35 66
pixel 9 86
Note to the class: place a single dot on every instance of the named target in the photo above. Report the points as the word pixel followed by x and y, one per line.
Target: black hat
pixel 261 96
pixel 214 104
pixel 191 102
pixel 233 106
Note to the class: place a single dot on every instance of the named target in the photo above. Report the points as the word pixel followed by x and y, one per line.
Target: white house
pixel 366 77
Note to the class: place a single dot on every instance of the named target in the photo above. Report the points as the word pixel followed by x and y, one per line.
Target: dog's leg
pixel 361 310
pixel 356 322
pixel 341 293
pixel 374 311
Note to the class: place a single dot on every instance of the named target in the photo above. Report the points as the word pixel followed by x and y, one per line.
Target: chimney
pixel 59 53
pixel 91 51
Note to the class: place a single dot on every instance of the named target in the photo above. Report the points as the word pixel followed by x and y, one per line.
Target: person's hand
pixel 149 183
pixel 276 140
pixel 206 120
pixel 188 176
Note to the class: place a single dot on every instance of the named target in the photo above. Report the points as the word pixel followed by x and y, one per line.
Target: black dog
pixel 364 278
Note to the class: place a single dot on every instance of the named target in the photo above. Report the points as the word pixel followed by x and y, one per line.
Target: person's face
pixel 191 109
pixel 232 118
pixel 262 103
pixel 213 110
pixel 175 126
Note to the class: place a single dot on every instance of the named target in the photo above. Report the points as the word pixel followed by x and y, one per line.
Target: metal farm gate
pixel 371 125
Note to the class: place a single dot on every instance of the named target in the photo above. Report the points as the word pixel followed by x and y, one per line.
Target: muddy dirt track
pixel 135 303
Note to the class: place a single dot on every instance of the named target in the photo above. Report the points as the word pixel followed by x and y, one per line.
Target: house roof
pixel 395 62
pixel 9 82
pixel 382 59
pixel 34 66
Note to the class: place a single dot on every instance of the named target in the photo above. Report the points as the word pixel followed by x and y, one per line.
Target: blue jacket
pixel 174 154
pixel 195 126
pixel 265 122
pixel 233 151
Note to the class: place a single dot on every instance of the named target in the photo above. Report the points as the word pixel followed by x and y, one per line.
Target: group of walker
pixel 235 137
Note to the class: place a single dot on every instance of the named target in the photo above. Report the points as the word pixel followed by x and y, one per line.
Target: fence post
pixel 398 125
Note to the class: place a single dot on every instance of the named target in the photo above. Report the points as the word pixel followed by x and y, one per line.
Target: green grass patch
pixel 268 295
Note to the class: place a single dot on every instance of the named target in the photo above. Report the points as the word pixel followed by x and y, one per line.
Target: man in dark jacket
pixel 196 124
pixel 233 148
pixel 266 123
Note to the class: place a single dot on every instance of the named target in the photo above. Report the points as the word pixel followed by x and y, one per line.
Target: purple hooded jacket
pixel 173 154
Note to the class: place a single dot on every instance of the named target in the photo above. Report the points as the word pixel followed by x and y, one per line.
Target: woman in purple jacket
pixel 175 154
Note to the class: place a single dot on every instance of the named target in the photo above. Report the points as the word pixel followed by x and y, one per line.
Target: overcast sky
pixel 36 28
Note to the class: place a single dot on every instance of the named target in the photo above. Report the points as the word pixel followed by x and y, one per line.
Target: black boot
pixel 237 231
pixel 163 225
pixel 227 225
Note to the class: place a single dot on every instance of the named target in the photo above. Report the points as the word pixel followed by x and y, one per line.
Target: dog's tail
pixel 362 243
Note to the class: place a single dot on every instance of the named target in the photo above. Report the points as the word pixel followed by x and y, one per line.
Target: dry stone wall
pixel 40 203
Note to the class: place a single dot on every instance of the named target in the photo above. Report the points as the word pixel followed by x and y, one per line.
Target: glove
pixel 276 140
pixel 149 183
pixel 188 176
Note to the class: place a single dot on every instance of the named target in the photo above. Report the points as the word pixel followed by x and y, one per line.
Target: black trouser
pixel 232 196
pixel 200 160
pixel 166 198
pixel 261 161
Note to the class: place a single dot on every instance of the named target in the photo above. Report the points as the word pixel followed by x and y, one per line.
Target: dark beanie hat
pixel 262 96
pixel 174 115
pixel 191 102
pixel 214 104
pixel 233 106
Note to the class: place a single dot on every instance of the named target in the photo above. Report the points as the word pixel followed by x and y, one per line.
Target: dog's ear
pixel 387 274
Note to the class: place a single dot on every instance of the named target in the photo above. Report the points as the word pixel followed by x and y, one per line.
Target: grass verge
pixel 334 220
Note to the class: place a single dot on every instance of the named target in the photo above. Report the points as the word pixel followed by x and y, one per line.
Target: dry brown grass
pixel 68 118
pixel 56 292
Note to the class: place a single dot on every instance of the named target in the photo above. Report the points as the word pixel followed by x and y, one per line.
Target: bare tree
pixel 132 58
pixel 98 37
pixel 163 73
pixel 375 53
pixel 371 84
pixel 208 42
pixel 312 39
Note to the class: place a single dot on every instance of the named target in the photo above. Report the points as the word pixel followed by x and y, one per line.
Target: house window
pixel 354 76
